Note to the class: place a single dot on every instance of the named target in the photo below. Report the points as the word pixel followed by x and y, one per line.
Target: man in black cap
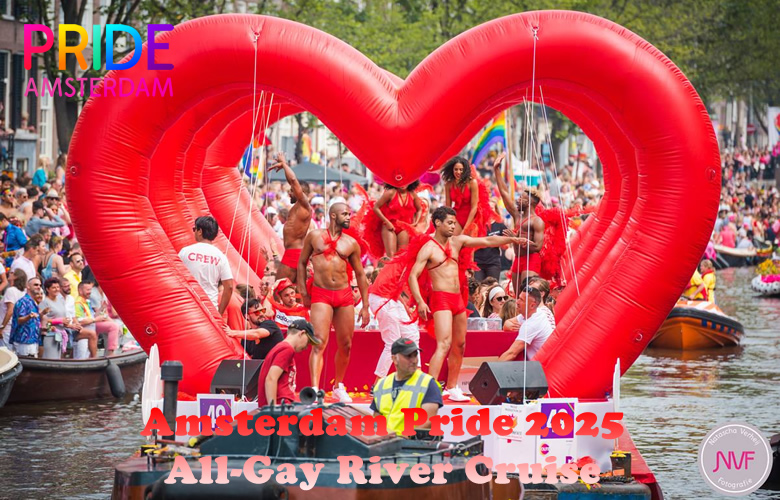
pixel 278 370
pixel 408 387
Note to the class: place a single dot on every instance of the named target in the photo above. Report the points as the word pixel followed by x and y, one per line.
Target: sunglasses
pixel 502 298
pixel 261 311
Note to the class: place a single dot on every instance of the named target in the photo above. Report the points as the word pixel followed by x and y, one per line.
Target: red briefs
pixel 291 257
pixel 334 298
pixel 534 263
pixel 446 301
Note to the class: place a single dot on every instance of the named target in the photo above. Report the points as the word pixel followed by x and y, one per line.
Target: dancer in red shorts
pixel 528 226
pixel 332 252
pixel 440 256
pixel 298 221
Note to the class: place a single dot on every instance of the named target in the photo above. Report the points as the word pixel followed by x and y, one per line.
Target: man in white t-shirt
pixel 207 264
pixel 35 247
pixel 534 332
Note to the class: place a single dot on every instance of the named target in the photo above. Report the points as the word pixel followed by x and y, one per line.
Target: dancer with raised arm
pixel 441 258
pixel 528 225
pixel 332 254
pixel 298 221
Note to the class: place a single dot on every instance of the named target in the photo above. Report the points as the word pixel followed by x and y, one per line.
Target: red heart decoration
pixel 141 168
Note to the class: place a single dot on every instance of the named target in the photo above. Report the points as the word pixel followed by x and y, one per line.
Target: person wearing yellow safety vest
pixel 408 387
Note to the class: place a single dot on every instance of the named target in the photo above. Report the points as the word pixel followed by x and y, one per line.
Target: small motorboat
pixel 697 324
pixel 79 379
pixel 734 257
pixel 10 368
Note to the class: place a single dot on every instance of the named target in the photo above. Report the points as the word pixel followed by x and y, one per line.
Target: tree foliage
pixel 727 48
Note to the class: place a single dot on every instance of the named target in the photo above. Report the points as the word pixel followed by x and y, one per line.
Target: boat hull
pixel 687 328
pixel 76 379
pixel 133 478
pixel 7 379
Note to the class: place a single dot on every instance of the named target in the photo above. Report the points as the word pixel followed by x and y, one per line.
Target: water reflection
pixel 672 399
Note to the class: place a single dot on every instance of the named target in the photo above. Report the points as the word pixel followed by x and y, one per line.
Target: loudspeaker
pixel 496 379
pixel 227 379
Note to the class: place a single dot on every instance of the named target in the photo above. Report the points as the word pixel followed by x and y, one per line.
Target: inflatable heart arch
pixel 141 168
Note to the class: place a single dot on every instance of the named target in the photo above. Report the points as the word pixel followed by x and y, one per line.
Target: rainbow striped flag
pixel 494 134
pixel 251 166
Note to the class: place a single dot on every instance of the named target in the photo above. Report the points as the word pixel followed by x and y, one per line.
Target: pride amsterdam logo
pixel 114 86
pixel 735 459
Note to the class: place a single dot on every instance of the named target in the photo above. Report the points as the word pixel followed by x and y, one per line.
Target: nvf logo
pixel 115 86
pixel 735 459
pixel 730 462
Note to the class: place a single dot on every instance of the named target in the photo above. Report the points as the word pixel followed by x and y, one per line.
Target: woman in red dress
pixel 464 193
pixel 394 211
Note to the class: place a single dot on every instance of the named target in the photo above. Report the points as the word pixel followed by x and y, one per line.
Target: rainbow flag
pixel 250 165
pixel 494 134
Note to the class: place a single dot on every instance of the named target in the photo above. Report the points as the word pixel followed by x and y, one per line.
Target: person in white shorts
pixel 391 315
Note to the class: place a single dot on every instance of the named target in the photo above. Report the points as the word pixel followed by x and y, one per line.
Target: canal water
pixel 670 402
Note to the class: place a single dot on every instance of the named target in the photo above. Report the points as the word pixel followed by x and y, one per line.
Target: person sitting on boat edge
pixel 705 289
pixel 278 370
pixel 535 331
pixel 26 324
pixel 408 387
pixel 261 334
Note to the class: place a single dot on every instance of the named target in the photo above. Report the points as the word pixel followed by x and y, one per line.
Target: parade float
pixel 767 281
pixel 159 164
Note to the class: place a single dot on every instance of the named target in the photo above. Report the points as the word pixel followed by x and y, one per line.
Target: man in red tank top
pixel 440 257
pixel 330 250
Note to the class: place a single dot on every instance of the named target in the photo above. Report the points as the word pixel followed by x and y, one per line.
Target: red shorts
pixel 534 263
pixel 334 298
pixel 291 257
pixel 446 301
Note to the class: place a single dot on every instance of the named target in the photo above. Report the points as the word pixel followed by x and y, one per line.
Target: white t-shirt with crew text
pixel 208 266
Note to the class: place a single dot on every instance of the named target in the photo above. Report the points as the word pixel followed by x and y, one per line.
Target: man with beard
pixel 440 256
pixel 297 224
pixel 332 253
pixel 528 261
pixel 261 334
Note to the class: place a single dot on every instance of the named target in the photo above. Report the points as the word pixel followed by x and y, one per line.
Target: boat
pixel 142 477
pixel 773 481
pixel 10 368
pixel 768 286
pixel 78 379
pixel 734 257
pixel 697 324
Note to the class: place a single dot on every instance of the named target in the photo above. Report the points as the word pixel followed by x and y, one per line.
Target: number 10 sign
pixel 214 405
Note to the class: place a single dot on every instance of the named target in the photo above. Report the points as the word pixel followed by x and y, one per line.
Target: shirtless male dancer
pixel 440 257
pixel 297 224
pixel 527 262
pixel 331 295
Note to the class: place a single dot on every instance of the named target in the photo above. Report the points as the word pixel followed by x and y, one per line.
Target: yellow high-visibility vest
pixel 410 395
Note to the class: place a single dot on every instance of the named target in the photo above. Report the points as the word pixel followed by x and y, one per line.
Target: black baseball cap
pixel 305 326
pixel 404 346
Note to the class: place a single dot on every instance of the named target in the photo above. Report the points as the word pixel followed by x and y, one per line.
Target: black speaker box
pixel 227 379
pixel 496 379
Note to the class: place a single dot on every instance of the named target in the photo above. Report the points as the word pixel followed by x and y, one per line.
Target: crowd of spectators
pixel 46 286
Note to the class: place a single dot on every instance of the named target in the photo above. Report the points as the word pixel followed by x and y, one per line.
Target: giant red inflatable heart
pixel 141 168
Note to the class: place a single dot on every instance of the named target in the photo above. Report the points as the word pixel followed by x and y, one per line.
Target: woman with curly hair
pixel 468 196
pixel 397 205
pixel 461 191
